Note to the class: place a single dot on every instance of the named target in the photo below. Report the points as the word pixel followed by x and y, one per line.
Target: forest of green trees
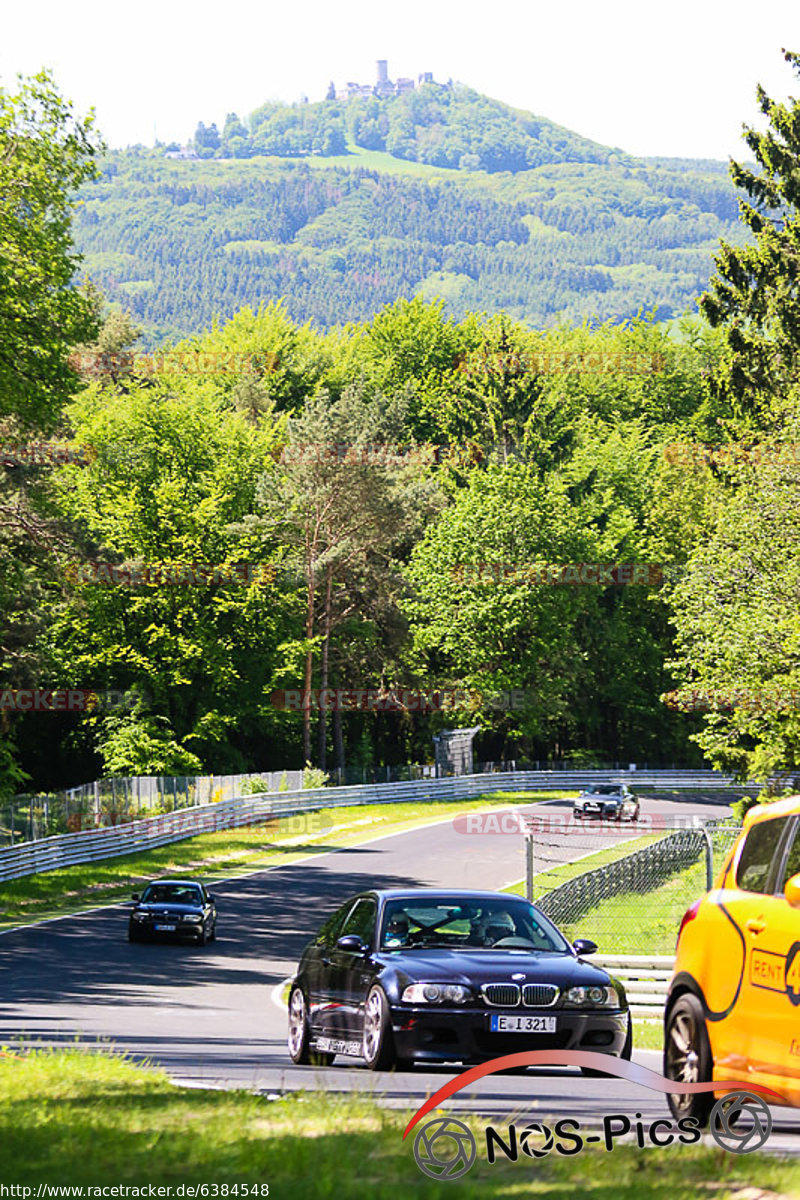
pixel 412 498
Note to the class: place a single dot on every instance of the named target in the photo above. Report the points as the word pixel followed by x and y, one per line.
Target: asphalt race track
pixel 209 1015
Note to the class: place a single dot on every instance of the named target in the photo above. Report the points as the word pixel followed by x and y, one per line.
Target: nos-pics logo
pixel 445 1148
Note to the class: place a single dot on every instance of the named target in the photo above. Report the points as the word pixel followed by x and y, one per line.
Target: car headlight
pixel 137 916
pixel 592 997
pixel 192 918
pixel 435 993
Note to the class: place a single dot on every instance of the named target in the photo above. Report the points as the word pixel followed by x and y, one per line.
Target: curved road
pixel 209 1015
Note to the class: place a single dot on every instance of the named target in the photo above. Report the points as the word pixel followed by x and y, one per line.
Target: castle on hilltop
pixel 384 86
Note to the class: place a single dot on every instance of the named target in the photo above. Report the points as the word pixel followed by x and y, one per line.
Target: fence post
pixel 529 864
pixel 709 859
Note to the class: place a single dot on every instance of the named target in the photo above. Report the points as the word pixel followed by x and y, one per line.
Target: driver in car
pixel 492 927
pixel 397 930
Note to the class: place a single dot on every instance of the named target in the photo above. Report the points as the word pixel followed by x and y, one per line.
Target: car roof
pixel 433 893
pixel 776 808
pixel 174 882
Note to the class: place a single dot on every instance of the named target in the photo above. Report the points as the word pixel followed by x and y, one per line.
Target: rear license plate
pixel 503 1024
pixel 166 928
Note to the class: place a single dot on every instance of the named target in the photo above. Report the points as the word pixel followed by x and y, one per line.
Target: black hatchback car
pixel 173 908
pixel 421 975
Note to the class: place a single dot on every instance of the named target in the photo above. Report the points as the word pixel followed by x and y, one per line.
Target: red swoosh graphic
pixel 584 1058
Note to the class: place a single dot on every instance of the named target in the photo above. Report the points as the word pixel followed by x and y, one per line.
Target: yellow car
pixel 733 1006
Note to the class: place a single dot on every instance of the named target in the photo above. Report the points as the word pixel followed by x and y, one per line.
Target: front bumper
pixel 183 929
pixel 609 812
pixel 438 1034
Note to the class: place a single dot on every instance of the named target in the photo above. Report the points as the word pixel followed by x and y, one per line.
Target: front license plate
pixel 502 1024
pixel 166 928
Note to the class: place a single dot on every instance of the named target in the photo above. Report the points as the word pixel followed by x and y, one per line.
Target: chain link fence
pixel 633 902
pixel 115 801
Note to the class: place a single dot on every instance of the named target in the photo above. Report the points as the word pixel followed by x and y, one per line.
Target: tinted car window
pixel 441 922
pixel 793 861
pixel 758 853
pixel 170 893
pixel 361 921
pixel 330 930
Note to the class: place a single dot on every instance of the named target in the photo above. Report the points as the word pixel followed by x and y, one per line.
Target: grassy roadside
pixel 645 1036
pixel 547 881
pixel 218 856
pixel 76 1118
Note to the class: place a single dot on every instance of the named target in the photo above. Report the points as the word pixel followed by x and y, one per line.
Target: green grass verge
pixel 546 881
pixel 217 856
pixel 642 922
pixel 645 1036
pixel 72 1118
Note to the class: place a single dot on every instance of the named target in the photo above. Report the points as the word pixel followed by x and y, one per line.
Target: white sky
pixel 675 79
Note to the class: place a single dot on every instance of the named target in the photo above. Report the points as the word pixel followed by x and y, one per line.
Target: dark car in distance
pixel 420 975
pixel 612 801
pixel 173 908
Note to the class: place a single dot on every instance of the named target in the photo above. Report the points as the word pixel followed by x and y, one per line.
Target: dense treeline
pixel 549 450
pixel 180 243
pixel 413 502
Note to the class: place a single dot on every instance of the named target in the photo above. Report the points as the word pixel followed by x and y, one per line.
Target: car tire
pixel 212 937
pixel 377 1044
pixel 133 934
pixel 577 814
pixel 687 1056
pixel 299 1040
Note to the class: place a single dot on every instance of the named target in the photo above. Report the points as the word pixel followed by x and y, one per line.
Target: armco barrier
pixel 68 849
pixel 645 980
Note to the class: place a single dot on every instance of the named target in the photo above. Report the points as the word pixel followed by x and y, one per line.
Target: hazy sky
pixel 675 79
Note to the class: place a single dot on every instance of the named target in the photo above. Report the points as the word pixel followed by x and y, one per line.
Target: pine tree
pixel 755 294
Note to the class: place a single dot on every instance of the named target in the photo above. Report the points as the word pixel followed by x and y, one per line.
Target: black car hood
pixel 492 966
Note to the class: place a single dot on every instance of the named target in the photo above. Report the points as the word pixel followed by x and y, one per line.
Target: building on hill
pixel 184 152
pixel 384 86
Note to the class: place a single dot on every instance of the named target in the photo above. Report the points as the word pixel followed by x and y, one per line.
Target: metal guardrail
pixel 69 849
pixel 644 978
pixel 640 872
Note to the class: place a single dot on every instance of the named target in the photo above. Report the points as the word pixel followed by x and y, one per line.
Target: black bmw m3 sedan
pixel 421 975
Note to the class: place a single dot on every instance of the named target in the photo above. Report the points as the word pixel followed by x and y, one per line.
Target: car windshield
pixel 463 924
pixel 171 893
pixel 593 790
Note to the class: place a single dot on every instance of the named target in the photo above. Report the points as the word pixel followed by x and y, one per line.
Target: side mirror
pixel 212 899
pixel 135 896
pixel 352 943
pixel 792 891
pixel 584 946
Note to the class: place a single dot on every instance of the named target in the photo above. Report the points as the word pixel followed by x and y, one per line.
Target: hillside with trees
pixel 338 208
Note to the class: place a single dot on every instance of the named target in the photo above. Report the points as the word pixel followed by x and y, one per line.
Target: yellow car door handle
pixel 756 926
